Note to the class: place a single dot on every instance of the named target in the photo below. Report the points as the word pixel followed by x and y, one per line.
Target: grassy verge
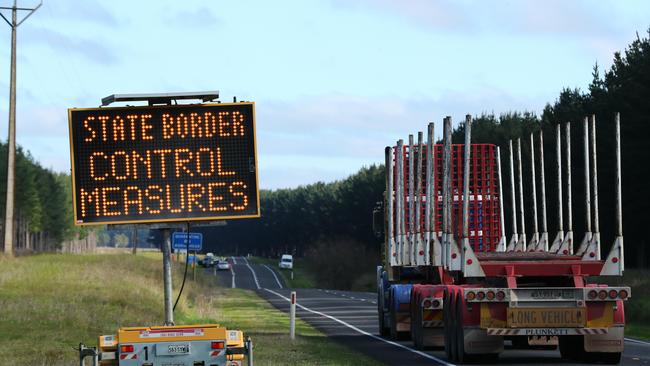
pixel 49 303
pixel 302 277
pixel 637 308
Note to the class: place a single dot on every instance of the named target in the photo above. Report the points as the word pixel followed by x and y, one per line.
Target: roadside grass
pixel 637 307
pixel 302 277
pixel 51 302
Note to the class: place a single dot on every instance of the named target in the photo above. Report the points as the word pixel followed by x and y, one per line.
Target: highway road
pixel 351 318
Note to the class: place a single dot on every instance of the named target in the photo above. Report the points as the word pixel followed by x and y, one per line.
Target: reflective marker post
pixel 292 316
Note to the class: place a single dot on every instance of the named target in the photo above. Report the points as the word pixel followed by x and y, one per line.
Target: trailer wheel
pixel 416 323
pixel 609 358
pixel 453 343
pixel 383 329
pixel 461 356
pixel 447 324
pixel 391 315
pixel 571 347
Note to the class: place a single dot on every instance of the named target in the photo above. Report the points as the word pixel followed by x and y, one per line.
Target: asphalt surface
pixel 351 318
pixel 248 275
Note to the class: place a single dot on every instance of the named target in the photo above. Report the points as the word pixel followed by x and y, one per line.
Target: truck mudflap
pixel 401 308
pixel 611 341
pixel 478 341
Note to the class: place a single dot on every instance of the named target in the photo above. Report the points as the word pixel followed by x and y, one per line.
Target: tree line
pixel 43 204
pixel 302 219
pixel 296 220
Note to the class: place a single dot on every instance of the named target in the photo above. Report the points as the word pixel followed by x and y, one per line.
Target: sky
pixel 334 81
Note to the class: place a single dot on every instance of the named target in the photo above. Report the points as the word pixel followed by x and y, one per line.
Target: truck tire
pixel 609 358
pixel 461 355
pixel 447 324
pixel 571 347
pixel 384 331
pixel 416 324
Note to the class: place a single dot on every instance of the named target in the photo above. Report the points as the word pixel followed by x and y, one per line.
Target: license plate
pixel 178 349
pixel 546 318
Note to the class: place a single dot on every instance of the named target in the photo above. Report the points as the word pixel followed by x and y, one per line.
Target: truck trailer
pixel 451 278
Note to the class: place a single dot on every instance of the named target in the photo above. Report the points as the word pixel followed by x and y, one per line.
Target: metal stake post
pixel 513 202
pixel 502 240
pixel 410 238
pixel 419 249
pixel 584 244
pixel 521 244
pixel 534 240
pixel 594 168
pixel 557 242
pixel 390 236
pixel 543 239
pixel 567 244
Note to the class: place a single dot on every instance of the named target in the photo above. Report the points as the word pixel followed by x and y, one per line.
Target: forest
pixel 324 219
pixel 304 219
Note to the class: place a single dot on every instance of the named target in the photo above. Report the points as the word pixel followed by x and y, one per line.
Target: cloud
pixel 201 17
pixel 330 137
pixel 442 14
pixel 81 11
pixel 531 17
pixel 96 50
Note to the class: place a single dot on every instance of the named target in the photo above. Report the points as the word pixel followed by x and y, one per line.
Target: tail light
pixel 126 348
pixel 613 294
pixel 480 295
pixel 218 345
pixel 602 294
pixel 426 304
pixel 490 295
pixel 470 296
pixel 435 303
pixel 501 295
pixel 593 294
pixel 623 294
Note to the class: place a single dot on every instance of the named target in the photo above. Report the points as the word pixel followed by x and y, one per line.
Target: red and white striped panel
pixel 591 331
pixel 129 356
pixel 217 353
pixel 432 323
pixel 502 331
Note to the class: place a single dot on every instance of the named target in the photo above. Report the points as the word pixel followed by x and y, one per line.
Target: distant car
pixel 208 261
pixel 286 262
pixel 223 265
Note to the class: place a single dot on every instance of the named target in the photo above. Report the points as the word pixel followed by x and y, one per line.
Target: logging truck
pixel 452 278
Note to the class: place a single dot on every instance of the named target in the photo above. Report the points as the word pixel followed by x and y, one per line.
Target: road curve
pixel 248 275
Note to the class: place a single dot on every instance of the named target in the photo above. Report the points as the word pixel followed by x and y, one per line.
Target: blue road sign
pixel 179 241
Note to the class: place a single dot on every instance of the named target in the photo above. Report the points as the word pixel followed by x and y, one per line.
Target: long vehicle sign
pixel 164 163
pixel 546 317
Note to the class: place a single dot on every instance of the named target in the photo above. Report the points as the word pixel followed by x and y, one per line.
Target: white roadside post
pixel 292 316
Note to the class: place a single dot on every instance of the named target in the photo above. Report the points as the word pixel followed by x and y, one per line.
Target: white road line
pixel 234 261
pixel 232 272
pixel 274 276
pixel 253 272
pixel 442 362
pixel 632 340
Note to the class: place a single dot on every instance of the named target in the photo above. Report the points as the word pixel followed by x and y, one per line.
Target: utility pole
pixel 11 140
